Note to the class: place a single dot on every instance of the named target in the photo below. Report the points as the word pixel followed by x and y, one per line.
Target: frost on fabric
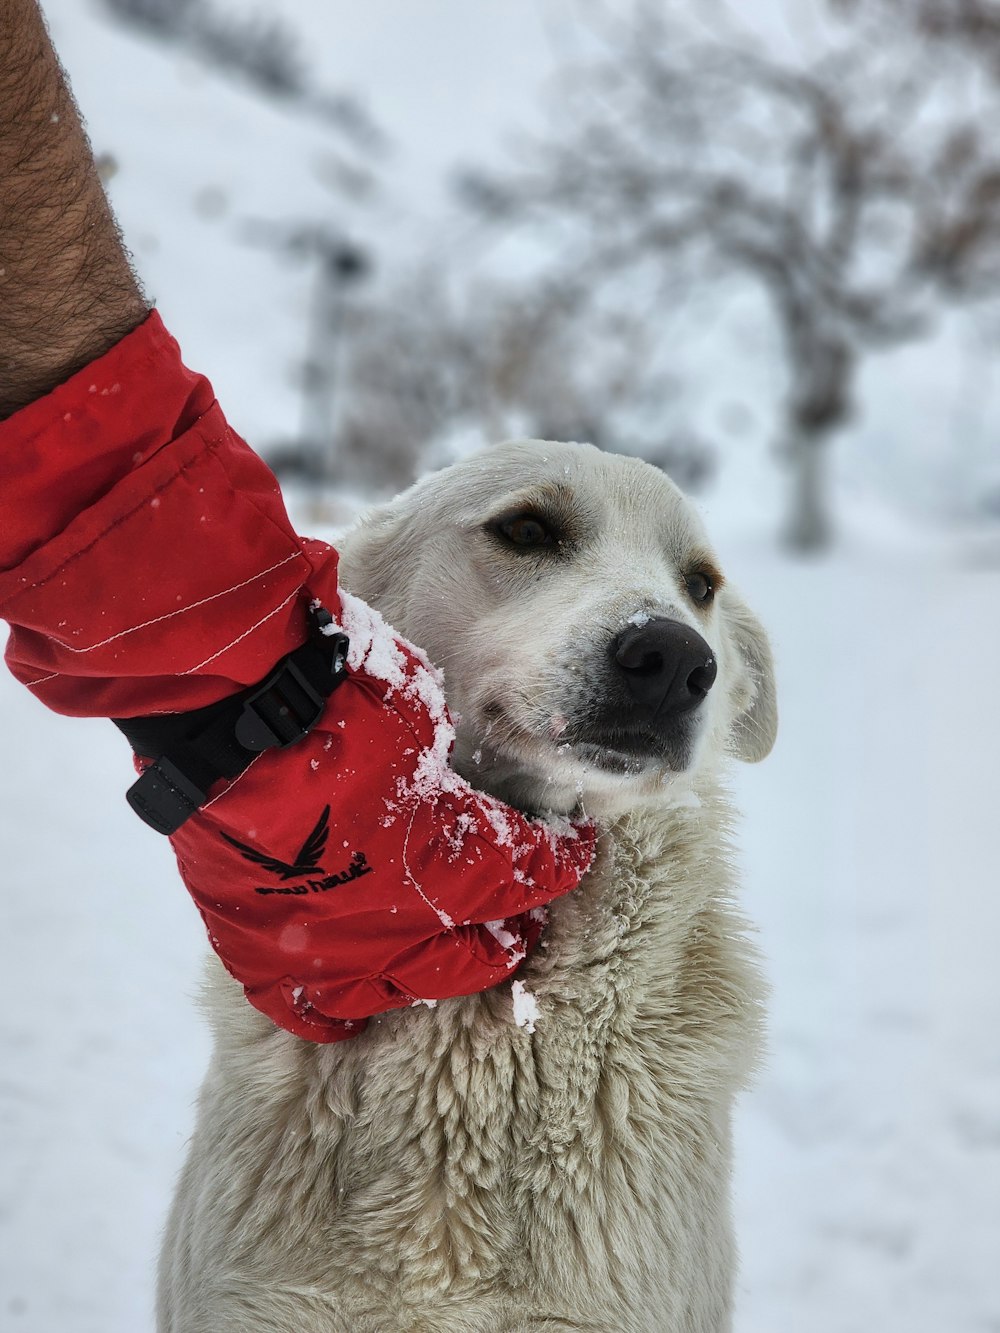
pixel 378 651
pixel 373 644
pixel 526 1009
pixel 375 650
pixel 511 943
pixel 504 937
pixel 464 825
pixel 431 773
pixel 501 825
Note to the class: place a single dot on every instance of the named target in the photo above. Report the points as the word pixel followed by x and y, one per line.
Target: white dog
pixel 453 1170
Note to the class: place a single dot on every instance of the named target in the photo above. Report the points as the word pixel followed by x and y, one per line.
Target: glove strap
pixel 193 750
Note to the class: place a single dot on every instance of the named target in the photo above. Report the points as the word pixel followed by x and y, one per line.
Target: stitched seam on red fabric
pixel 505 969
pixel 251 629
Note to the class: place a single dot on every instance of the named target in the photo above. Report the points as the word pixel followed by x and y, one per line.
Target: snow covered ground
pixel 868 1172
pixel 868 1178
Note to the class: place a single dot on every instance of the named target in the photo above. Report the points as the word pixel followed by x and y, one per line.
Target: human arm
pixel 147 566
pixel 183 582
pixel 67 290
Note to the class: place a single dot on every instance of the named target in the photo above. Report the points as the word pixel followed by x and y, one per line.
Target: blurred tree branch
pixel 858 187
pixel 427 372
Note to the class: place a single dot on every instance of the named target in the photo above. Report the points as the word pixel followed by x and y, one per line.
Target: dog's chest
pixel 590 1159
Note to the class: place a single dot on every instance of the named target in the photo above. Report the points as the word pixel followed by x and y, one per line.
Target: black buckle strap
pixel 193 750
pixel 163 797
pixel 281 711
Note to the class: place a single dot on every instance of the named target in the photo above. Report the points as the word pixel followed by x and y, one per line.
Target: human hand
pixel 355 871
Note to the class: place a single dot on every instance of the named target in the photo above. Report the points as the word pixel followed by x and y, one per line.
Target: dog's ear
pixel 756 723
pixel 373 552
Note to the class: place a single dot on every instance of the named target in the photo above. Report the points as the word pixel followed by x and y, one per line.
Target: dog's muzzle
pixel 667 668
pixel 643 706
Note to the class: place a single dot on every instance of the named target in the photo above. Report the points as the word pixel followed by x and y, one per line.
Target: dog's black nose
pixel 668 667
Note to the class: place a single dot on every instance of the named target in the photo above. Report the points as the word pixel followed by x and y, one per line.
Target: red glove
pixel 147 566
pixel 356 872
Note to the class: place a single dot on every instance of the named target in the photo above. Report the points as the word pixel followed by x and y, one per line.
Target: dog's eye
pixel 526 530
pixel 700 586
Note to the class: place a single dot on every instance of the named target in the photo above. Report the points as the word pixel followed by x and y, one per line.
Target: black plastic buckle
pixel 281 710
pixel 164 797
pixel 286 707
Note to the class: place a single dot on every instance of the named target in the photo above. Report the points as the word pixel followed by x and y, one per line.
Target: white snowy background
pixel 868 1154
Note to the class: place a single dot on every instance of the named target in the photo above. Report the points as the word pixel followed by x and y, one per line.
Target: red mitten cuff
pixel 64 452
pixel 148 562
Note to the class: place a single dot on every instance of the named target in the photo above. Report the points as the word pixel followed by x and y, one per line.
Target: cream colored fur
pixel 449 1171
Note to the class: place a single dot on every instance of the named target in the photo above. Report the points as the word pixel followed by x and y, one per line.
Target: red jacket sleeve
pixel 148 562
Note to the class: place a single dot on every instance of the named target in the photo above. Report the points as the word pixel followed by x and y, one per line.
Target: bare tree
pixel 261 48
pixel 969 26
pixel 857 187
pixel 164 17
pixel 427 370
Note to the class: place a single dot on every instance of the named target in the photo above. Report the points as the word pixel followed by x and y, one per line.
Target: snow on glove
pixel 355 872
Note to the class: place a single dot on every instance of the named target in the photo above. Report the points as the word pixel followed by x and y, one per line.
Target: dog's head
pixel 591 645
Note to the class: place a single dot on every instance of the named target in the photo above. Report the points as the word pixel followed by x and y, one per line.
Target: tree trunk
pixel 809 527
pixel 822 367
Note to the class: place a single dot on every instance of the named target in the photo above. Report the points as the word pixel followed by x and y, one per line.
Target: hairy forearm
pixel 67 290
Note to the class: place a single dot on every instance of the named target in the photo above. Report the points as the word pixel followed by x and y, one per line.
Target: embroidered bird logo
pixel 307 858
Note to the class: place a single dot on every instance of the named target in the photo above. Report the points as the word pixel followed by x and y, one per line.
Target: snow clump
pixel 526 1009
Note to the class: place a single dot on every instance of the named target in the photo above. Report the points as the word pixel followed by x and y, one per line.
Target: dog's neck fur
pixel 648 1005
